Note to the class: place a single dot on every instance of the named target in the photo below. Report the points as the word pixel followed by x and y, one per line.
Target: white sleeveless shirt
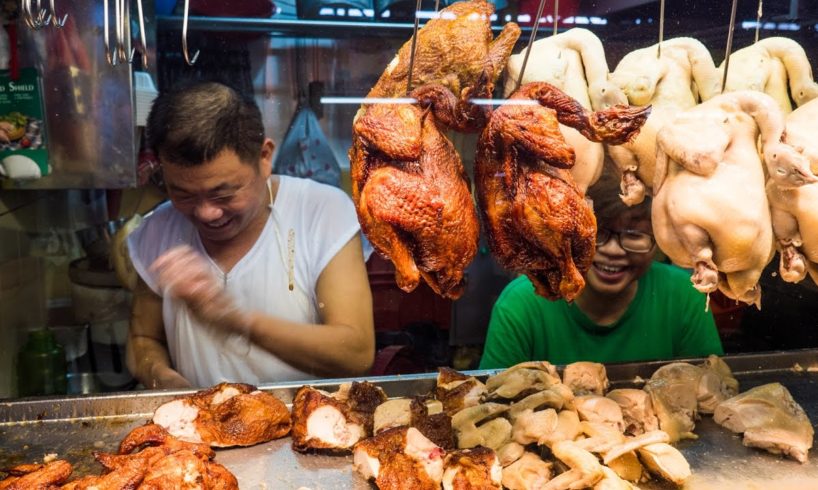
pixel 310 222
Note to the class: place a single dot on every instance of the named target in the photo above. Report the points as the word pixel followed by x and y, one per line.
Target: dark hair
pixel 192 123
pixel 605 195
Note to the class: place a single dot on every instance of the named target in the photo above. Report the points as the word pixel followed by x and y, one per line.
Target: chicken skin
pixel 36 476
pixel 323 422
pixel 400 458
pixel 538 221
pixel 411 191
pixel 185 470
pixel 452 50
pixel 228 414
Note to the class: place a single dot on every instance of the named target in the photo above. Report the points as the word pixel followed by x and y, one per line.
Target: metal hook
pixel 121 51
pixel 35 21
pixel 143 47
pixel 758 18
pixel 556 17
pixel 56 18
pixel 105 35
pixel 729 44
pixel 190 61
pixel 661 28
pixel 530 43
pixel 412 52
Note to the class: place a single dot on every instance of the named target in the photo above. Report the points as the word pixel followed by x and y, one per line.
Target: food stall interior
pixel 310 64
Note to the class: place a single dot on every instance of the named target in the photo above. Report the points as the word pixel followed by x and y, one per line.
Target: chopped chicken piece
pixel 129 473
pixel 155 435
pixel 400 458
pixel 770 419
pixel 555 397
pixel 529 472
pixel 392 413
pixel 673 390
pixel 665 461
pixel 595 408
pixel 585 470
pixel 323 422
pixel 472 469
pixel 183 469
pixel 510 453
pixel 530 426
pixel 362 399
pixel 36 476
pixel 586 378
pixel 568 428
pixel 634 443
pixel 637 410
pixel 521 380
pixel 627 467
pixel 612 481
pixel 228 414
pixel 482 425
pixel 717 384
pixel 457 391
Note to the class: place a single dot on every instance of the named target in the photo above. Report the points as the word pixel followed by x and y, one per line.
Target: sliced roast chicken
pixel 467 469
pixel 228 414
pixel 400 458
pixel 457 390
pixel 770 419
pixel 521 380
pixel 323 422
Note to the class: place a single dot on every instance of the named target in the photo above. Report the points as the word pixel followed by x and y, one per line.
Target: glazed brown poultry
pixel 538 222
pixel 472 469
pixel 228 414
pixel 155 436
pixel 323 422
pixel 400 458
pixel 411 191
pixel 452 50
pixel 36 476
pixel 184 469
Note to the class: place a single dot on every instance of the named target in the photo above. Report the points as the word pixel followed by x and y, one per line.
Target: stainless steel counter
pixel 73 427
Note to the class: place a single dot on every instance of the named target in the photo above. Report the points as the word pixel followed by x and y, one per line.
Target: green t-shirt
pixel 666 319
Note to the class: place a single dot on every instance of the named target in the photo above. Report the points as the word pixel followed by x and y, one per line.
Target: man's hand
pixel 185 275
pixel 165 377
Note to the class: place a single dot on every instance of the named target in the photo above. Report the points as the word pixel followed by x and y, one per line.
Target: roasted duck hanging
pixel 538 222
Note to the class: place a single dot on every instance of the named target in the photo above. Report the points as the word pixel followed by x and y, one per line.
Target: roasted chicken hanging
pixel 574 62
pixel 538 222
pixel 710 211
pixel 408 183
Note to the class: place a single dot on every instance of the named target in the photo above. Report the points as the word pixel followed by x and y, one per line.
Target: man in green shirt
pixel 632 308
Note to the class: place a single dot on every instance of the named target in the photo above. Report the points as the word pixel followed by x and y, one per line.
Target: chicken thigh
pixel 574 62
pixel 709 173
pixel 538 222
pixel 677 80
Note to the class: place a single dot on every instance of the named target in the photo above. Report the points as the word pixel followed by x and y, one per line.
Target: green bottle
pixel 41 365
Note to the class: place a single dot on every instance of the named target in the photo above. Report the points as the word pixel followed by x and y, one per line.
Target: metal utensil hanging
pixel 414 46
pixel 661 28
pixel 531 42
pixel 729 47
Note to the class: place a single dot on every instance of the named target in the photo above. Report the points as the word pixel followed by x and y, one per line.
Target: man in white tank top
pixel 244 276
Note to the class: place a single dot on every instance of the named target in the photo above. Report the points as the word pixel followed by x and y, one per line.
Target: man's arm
pixel 344 343
pixel 146 352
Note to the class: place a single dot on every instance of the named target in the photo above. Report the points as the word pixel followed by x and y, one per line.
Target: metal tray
pixel 73 427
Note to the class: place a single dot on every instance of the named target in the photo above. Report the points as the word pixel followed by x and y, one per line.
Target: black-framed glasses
pixel 629 240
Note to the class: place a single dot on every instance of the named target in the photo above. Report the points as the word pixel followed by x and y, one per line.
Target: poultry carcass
pixel 453 49
pixel 794 216
pixel 770 419
pixel 710 211
pixel 411 191
pixel 574 62
pixel 228 414
pixel 776 66
pixel 36 476
pixel 400 458
pixel 538 222
pixel 677 80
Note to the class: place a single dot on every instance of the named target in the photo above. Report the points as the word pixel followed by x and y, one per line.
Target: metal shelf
pixel 297 27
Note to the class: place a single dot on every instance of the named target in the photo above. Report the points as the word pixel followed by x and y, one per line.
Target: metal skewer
pixel 729 48
pixel 556 17
pixel 758 18
pixel 661 28
pixel 530 43
pixel 412 49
